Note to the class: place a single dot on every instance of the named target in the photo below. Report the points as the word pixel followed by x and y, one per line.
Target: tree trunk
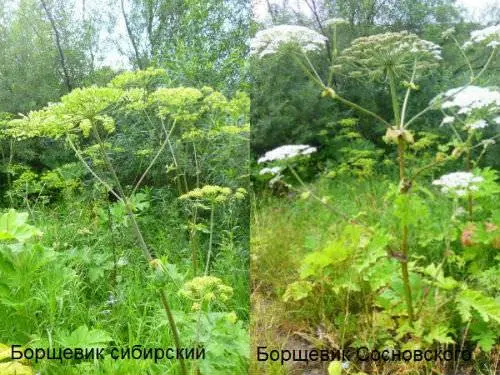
pixel 62 58
pixel 131 37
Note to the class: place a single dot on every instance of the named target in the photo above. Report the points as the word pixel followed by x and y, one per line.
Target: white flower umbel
pixel 489 34
pixel 488 142
pixel 459 183
pixel 335 21
pixel 268 41
pixel 459 211
pixel 468 99
pixel 448 32
pixel 272 170
pixel 448 120
pixel 286 152
pixel 401 52
pixel 493 44
pixel 479 124
pixel 429 47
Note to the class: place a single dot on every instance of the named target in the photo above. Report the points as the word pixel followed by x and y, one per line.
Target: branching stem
pixel 361 109
pixel 212 211
pixel 136 230
pixel 403 190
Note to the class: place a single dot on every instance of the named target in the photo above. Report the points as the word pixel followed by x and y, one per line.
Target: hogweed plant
pixel 468 111
pixel 89 118
pixel 83 111
pixel 398 60
pixel 217 329
pixel 209 197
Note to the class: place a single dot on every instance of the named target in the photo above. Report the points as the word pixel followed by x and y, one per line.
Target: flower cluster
pixel 478 124
pixel 214 193
pixel 489 35
pixel 448 32
pixel 286 152
pixel 270 170
pixel 179 103
pixel 335 21
pixel 459 183
pixel 468 99
pixel 425 46
pixel 459 211
pixel 205 289
pixel 273 171
pixel 373 55
pixel 488 142
pixel 448 120
pixel 476 104
pixel 268 41
pixel 146 79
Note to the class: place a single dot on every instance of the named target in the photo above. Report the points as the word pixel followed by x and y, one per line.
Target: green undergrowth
pixel 130 231
pixel 83 270
pixel 346 299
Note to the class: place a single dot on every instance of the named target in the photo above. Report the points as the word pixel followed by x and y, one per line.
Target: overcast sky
pixel 478 8
pixel 475 8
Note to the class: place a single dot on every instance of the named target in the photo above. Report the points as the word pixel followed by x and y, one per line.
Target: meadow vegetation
pixel 376 220
pixel 124 192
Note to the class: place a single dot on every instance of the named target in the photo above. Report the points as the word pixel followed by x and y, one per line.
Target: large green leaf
pixel 297 291
pixel 486 306
pixel 15 368
pixel 13 227
pixel 335 368
pixel 82 337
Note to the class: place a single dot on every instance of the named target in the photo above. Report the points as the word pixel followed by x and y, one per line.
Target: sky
pixel 475 8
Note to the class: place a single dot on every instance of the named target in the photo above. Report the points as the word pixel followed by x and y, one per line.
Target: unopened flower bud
pixel 440 156
pixel 329 92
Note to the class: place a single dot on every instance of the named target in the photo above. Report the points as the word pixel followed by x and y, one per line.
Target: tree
pixel 57 38
pixel 198 42
pixel 45 53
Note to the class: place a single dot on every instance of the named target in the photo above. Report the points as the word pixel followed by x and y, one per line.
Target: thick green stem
pixel 197 166
pixel 466 59
pixel 177 174
pixel 404 235
pixel 153 161
pixel 140 239
pixel 360 109
pixel 403 190
pixel 180 188
pixel 193 240
pixel 334 53
pixel 11 157
pixel 394 98
pixel 469 168
pixel 211 238
pixel 476 77
pixel 322 201
pixel 407 96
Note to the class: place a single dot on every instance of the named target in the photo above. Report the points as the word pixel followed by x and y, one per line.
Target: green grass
pixel 85 271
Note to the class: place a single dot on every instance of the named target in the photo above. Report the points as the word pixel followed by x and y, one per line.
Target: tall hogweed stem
pixel 137 234
pixel 404 247
pixel 210 241
pixel 404 235
pixel 468 168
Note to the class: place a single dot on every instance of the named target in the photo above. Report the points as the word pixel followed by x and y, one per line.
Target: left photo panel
pixel 124 179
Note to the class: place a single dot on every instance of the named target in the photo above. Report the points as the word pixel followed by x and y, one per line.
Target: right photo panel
pixel 375 221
